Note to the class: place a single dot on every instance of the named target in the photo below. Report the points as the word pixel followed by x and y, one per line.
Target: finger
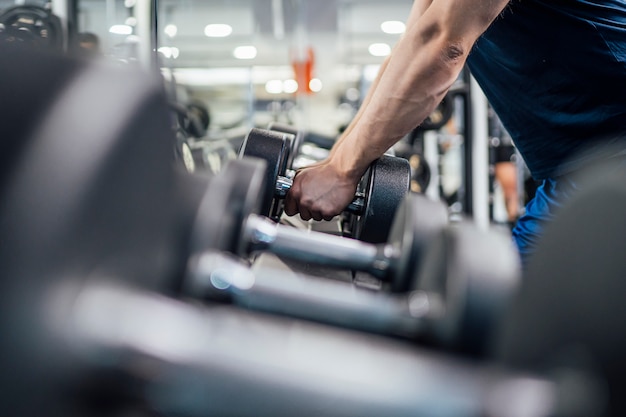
pixel 305 215
pixel 317 216
pixel 291 207
pixel 328 218
pixel 291 199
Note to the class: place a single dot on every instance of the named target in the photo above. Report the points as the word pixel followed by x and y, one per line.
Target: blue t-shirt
pixel 555 73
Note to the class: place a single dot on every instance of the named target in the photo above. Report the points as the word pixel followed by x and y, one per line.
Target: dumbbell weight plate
pixel 440 116
pixel 272 147
pixel 229 199
pixel 33 24
pixel 476 274
pixel 200 112
pixel 296 142
pixel 183 153
pixel 420 173
pixel 384 186
pixel 85 196
pixel 417 222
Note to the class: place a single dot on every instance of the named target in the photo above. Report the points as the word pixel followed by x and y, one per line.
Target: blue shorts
pixel 550 195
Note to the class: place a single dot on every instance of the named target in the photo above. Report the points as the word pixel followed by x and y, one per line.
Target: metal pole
pixel 143 30
pixel 479 156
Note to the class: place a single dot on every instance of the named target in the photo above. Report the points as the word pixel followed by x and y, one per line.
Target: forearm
pixel 357 117
pixel 415 81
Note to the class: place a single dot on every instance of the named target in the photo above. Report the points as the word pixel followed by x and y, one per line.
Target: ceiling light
pixel 170 30
pixel 274 86
pixel 290 86
pixel 218 30
pixel 379 49
pixel 245 52
pixel 131 21
pixel 169 51
pixel 393 27
pixel 353 94
pixel 165 51
pixel 315 85
pixel 121 29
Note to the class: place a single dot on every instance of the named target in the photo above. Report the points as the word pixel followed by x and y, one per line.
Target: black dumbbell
pixel 295 137
pixel 306 147
pixel 158 351
pixel 379 193
pixel 228 221
pixel 455 300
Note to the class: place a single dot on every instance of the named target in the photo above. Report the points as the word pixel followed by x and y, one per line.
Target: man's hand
pixel 320 192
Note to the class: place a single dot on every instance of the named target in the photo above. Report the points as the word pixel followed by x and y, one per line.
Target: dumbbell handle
pixel 262 234
pixel 326 301
pixel 283 185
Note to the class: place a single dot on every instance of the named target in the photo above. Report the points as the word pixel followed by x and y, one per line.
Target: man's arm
pixel 425 63
pixel 419 72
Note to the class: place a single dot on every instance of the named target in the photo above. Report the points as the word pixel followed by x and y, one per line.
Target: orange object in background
pixel 303 70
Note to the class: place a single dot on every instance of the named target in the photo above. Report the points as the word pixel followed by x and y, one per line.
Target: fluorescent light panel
pixel 121 29
pixel 170 30
pixel 379 49
pixel 393 27
pixel 245 52
pixel 218 30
